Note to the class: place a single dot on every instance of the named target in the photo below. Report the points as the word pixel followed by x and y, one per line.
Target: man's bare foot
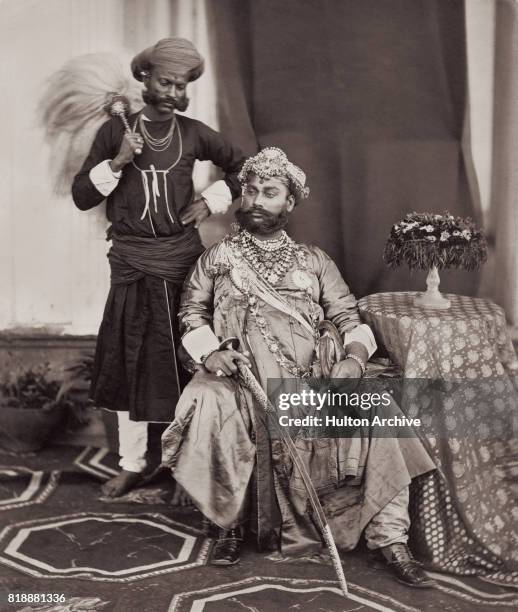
pixel 120 484
pixel 180 497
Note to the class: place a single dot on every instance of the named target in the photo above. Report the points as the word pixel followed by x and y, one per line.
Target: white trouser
pixel 390 525
pixel 132 443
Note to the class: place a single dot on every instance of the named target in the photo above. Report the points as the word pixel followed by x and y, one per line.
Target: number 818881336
pixel 35 598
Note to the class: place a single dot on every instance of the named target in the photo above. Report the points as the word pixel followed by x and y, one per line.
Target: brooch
pixel 301 279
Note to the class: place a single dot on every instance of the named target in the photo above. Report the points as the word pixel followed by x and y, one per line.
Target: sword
pixel 321 519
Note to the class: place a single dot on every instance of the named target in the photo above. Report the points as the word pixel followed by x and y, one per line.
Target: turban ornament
pixel 273 162
pixel 175 56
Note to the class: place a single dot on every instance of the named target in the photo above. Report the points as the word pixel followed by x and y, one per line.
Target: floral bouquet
pixel 427 241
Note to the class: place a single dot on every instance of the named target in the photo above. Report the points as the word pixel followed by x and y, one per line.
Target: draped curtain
pixel 369 98
pixel 504 201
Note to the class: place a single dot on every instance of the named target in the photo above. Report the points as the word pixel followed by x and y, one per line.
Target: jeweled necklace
pixel 272 244
pixel 256 310
pixel 157 144
pixel 271 259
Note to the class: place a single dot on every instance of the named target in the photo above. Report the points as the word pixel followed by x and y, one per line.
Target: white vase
pixel 432 297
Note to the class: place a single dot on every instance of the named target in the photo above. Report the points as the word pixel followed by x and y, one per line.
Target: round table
pixel 459 377
pixel 468 340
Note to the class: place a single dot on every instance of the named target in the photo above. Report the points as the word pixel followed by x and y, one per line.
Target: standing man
pixel 271 293
pixel 146 176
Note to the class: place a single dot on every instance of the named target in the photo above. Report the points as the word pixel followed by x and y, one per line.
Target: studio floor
pixel 139 553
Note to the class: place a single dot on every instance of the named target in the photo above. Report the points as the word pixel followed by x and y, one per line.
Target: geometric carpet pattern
pixel 285 593
pixel 97 461
pixel 58 535
pixel 75 546
pixel 20 486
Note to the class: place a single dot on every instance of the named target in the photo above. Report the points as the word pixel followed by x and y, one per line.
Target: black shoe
pixel 227 548
pixel 408 571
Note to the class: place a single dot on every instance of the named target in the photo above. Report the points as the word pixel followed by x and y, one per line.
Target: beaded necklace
pixel 157 144
pixel 271 259
pixel 254 308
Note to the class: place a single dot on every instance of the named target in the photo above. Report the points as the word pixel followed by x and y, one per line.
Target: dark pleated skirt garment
pixel 136 367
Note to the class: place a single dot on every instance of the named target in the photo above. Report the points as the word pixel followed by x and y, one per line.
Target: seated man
pixel 271 293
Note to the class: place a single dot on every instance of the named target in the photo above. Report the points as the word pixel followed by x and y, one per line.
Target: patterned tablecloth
pixel 468 340
pixel 459 378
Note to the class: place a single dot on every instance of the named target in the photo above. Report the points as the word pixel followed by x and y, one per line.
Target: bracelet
pixel 204 358
pixel 359 361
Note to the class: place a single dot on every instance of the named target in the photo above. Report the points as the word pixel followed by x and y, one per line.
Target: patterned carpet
pixel 57 536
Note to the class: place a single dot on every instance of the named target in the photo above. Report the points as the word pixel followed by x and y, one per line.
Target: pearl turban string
pixel 176 56
pixel 273 162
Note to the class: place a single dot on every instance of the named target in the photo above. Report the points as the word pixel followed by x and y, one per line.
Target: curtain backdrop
pixel 504 202
pixel 361 94
pixel 369 98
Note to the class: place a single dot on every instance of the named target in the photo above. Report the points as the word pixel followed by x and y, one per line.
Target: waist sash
pixel 169 258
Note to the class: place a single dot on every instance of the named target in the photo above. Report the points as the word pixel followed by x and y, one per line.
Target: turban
pixel 272 162
pixel 176 56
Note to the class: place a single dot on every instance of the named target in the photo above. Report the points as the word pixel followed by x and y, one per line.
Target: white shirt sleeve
pixel 218 197
pixel 200 341
pixel 104 178
pixel 364 335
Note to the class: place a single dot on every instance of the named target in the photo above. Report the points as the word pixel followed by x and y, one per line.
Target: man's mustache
pixel 264 223
pixel 257 210
pixel 180 104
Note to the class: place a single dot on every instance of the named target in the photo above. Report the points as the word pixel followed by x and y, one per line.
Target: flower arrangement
pixel 426 240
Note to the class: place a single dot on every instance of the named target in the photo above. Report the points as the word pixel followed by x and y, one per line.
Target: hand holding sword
pixel 241 364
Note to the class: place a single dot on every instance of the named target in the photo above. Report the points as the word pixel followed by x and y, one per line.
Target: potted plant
pixel 75 389
pixel 432 242
pixel 30 408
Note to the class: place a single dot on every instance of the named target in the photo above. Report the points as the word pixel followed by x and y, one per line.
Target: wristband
pixel 359 361
pixel 204 358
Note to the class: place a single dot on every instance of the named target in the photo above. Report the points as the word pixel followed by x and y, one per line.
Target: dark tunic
pixel 136 366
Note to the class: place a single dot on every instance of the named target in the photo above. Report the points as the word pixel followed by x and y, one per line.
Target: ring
pixel 220 372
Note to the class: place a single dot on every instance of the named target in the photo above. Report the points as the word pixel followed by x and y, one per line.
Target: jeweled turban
pixel 176 56
pixel 273 162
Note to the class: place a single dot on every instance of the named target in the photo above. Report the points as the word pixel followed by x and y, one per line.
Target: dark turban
pixel 176 56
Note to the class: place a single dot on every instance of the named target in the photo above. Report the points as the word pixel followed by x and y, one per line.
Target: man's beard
pixel 180 104
pixel 268 223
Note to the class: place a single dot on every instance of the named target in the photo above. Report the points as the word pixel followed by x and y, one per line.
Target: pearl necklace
pixel 267 245
pixel 271 260
pixel 256 310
